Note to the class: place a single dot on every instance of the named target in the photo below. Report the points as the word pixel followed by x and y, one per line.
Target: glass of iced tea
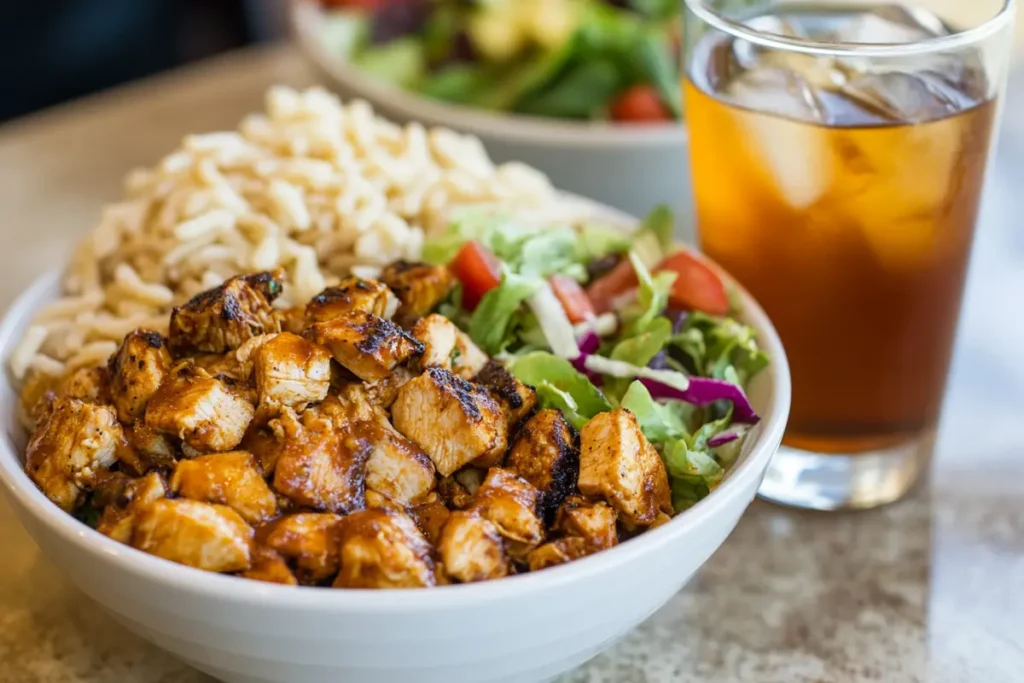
pixel 838 155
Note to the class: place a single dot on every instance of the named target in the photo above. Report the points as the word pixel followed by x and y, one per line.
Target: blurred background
pixel 56 50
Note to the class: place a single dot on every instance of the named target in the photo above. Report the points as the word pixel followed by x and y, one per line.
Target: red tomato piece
pixel 697 286
pixel 603 291
pixel 573 299
pixel 478 270
pixel 640 104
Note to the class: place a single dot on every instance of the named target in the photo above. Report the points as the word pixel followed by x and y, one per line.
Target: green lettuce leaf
pixel 559 385
pixel 660 422
pixel 491 325
pixel 723 348
pixel 692 473
pixel 651 298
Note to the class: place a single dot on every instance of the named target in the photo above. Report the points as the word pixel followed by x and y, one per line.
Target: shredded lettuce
pixel 692 473
pixel 492 324
pixel 721 348
pixel 559 385
pixel 660 422
pixel 651 298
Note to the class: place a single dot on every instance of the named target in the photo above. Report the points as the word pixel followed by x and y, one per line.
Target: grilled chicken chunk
pixel 352 294
pixel 420 287
pixel 518 398
pixel 367 346
pixel 396 468
pixel 290 371
pixel 265 444
pixel 558 552
pixel 618 464
pixel 430 517
pixel 221 319
pixel 319 466
pixel 200 535
pixel 471 549
pixel 437 334
pixel 136 371
pixel 200 410
pixel 510 503
pixel 544 455
pixel 71 448
pixel 383 549
pixel 594 522
pixel 231 479
pixel 269 566
pixel 310 540
pixel 467 359
pixel 89 384
pixel 454 421
pixel 145 449
pixel 118 517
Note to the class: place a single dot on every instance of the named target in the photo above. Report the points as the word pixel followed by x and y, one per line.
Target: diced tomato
pixel 697 287
pixel 478 270
pixel 640 104
pixel 573 299
pixel 603 291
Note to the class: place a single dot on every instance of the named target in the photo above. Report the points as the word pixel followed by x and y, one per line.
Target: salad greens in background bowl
pixel 585 90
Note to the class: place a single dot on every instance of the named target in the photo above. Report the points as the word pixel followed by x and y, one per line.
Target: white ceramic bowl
pixel 632 168
pixel 523 628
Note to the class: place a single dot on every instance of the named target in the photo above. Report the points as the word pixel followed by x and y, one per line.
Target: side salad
pixel 594 318
pixel 570 59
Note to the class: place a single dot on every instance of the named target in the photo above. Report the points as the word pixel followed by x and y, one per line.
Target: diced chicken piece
pixel 223 318
pixel 204 412
pixel 38 390
pixel 420 287
pixel 594 522
pixel 467 359
pixel 310 540
pixel 378 501
pixel 510 503
pixel 453 493
pixel 367 346
pixel 558 552
pixel 471 548
pixel 383 392
pixel 454 421
pixel 430 517
pixel 118 516
pixel 544 454
pixel 292 319
pixel 617 463
pixel 437 334
pixel 291 371
pixel 269 566
pixel 226 365
pixel 396 467
pixel 383 549
pixel 231 479
pixel 319 466
pixel 89 384
pixel 265 445
pixel 518 398
pixel 136 371
pixel 352 294
pixel 67 452
pixel 200 535
pixel 146 449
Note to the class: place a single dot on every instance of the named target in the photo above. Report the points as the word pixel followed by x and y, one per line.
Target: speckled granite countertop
pixel 929 589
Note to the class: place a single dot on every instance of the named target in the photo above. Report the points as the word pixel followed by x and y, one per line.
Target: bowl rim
pixel 20 489
pixel 303 16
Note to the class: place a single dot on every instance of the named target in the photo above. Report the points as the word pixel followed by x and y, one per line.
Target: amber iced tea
pixel 845 202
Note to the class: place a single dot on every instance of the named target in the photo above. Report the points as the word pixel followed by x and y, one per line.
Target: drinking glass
pixel 838 153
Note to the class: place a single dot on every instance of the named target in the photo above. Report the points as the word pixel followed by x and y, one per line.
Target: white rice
pixel 311 185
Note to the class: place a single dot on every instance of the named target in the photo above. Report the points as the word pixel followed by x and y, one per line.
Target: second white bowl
pixel 632 168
